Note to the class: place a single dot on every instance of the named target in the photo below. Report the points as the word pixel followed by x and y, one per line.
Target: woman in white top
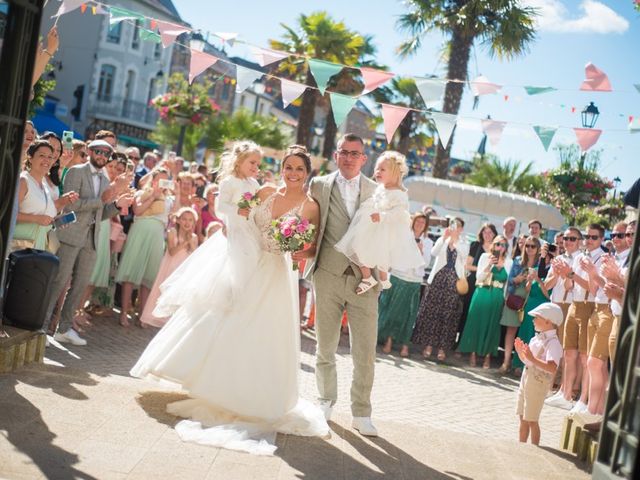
pixel 36 205
pixel 441 306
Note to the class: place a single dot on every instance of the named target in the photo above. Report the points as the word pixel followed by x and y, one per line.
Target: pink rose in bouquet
pixel 291 233
pixel 248 200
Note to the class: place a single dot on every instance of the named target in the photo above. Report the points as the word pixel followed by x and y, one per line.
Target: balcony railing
pixel 125 109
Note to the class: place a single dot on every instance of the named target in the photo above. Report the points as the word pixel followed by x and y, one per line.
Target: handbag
pixel 462 286
pixel 515 302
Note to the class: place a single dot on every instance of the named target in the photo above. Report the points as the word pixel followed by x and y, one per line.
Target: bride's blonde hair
pixel 397 164
pixel 232 159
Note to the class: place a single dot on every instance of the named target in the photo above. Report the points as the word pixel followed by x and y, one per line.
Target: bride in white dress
pixel 237 356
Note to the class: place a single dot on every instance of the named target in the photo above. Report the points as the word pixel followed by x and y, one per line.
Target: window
pixel 152 90
pixel 225 91
pixel 157 52
pixel 135 42
pixel 105 86
pixel 242 100
pixel 114 33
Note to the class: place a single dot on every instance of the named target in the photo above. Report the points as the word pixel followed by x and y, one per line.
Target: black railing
pixel 123 108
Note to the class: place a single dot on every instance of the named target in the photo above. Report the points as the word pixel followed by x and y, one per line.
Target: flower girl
pixel 380 234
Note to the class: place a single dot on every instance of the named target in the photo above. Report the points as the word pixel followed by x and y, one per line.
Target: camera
pixel 553 248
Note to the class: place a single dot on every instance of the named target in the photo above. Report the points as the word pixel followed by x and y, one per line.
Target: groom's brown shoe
pixel 364 426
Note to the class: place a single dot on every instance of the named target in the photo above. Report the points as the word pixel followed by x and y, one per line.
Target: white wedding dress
pixel 236 355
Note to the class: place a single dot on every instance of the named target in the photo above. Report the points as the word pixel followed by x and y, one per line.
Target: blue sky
pixel 571 33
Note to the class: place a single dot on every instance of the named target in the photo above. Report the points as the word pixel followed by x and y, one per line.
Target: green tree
pixel 245 125
pixel 509 175
pixel 321 37
pixel 40 90
pixel 504 27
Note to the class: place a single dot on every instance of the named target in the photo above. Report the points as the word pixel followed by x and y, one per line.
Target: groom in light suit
pixel 335 279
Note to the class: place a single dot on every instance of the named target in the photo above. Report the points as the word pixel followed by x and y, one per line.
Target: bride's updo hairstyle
pixel 300 152
pixel 397 164
pixel 232 159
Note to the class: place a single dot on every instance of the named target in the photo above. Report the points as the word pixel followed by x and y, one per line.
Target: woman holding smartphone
pixel 144 249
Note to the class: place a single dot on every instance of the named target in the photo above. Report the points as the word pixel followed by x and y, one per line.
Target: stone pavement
pixel 81 416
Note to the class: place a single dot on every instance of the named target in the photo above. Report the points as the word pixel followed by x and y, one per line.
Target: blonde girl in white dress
pixel 378 236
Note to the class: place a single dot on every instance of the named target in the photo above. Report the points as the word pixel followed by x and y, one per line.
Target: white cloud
pixel 595 17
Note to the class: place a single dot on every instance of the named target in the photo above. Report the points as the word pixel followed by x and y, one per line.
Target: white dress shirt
pixel 621 260
pixel 95 178
pixel 559 294
pixel 579 293
pixel 417 274
pixel 350 191
pixel 545 346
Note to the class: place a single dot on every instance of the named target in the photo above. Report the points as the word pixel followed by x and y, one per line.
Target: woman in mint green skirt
pixel 144 249
pixel 481 334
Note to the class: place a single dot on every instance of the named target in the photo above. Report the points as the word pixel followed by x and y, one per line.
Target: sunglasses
pixel 101 151
pixel 592 237
pixel 629 234
pixel 531 246
pixel 502 244
pixel 131 157
pixel 618 235
pixel 82 154
pixel 570 239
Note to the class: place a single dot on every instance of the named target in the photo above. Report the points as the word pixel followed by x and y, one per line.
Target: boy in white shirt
pixel 541 358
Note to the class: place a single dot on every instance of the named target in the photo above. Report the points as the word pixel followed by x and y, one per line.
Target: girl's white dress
pixel 237 357
pixel 388 243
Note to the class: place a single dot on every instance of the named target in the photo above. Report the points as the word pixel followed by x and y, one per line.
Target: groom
pixel 335 279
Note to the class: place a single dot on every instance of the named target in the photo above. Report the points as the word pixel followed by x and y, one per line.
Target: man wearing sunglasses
pixel 98 201
pixel 562 295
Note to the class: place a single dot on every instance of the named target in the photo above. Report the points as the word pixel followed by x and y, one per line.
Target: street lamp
pixel 590 115
pixel 616 184
pixel 258 89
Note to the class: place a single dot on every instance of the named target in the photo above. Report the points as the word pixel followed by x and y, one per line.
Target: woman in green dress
pixel 481 334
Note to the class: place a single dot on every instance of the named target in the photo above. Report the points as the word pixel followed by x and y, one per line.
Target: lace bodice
pixel 262 217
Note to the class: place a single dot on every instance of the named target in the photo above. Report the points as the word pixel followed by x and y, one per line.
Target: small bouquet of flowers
pixel 248 200
pixel 291 233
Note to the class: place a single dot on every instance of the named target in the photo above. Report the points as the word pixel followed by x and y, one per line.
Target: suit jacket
pixel 89 208
pixel 334 222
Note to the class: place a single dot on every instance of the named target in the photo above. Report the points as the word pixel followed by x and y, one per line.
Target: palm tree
pixel 321 37
pixel 403 92
pixel 504 27
pixel 509 176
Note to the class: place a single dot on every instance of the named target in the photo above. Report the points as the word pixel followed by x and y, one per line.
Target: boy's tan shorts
pixel 534 386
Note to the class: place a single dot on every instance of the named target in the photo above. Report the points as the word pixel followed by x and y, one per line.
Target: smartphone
pixel 67 139
pixel 495 253
pixel 166 184
pixel 65 219
pixel 200 191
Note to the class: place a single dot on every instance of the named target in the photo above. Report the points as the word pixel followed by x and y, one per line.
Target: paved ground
pixel 82 416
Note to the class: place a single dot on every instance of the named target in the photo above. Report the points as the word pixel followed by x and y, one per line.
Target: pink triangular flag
pixel 68 6
pixel 587 137
pixel 596 80
pixel 266 56
pixel 290 91
pixel 200 61
pixel 393 116
pixel 482 86
pixel 374 78
pixel 493 130
pixel 170 31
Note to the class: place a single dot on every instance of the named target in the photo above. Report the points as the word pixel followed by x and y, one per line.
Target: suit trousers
pixel 335 293
pixel 76 263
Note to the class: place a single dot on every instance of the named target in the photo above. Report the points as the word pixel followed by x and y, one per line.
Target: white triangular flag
pixel 445 123
pixel 68 6
pixel 290 91
pixel 266 57
pixel 228 37
pixel 245 77
pixel 493 130
pixel 431 90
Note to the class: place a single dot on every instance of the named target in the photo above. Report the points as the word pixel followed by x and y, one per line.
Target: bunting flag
pixel 227 37
pixel 322 71
pixel 587 137
pixel 445 123
pixel 538 90
pixel 200 61
pixel 68 6
pixel 493 130
pixel 117 14
pixel 290 91
pixel 634 125
pixel 392 116
pixel 170 31
pixel 100 10
pixel 149 36
pixel 341 106
pixel 265 56
pixel 482 86
pixel 545 134
pixel 596 80
pixel 245 77
pixel 431 90
pixel 374 78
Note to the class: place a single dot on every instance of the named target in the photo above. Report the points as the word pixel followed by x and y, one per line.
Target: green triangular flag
pixel 322 71
pixel 149 36
pixel 117 14
pixel 341 106
pixel 545 134
pixel 537 90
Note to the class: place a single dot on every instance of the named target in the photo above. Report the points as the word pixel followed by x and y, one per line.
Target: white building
pixel 105 75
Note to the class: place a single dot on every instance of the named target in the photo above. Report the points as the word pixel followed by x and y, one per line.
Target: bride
pixel 235 348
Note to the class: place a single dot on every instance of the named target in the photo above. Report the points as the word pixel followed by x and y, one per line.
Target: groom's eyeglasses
pixel 354 154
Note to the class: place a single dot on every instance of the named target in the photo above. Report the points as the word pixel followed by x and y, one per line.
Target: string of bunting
pixel 430 89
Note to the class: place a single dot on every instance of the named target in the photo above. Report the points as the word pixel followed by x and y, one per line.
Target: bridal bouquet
pixel 248 200
pixel 291 233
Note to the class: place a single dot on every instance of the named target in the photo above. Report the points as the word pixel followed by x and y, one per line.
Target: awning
pixel 137 142
pixel 46 122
